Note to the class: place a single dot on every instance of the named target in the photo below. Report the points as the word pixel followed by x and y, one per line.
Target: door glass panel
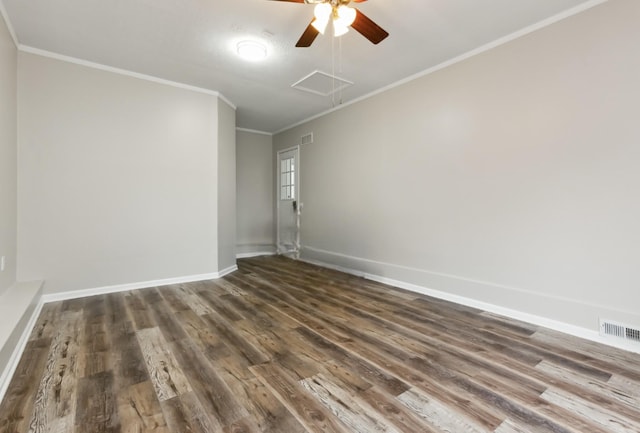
pixel 287 182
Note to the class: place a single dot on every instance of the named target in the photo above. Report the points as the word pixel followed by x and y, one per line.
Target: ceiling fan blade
pixel 293 1
pixel 358 1
pixel 308 36
pixel 368 28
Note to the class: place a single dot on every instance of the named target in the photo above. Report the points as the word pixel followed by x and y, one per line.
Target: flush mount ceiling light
pixel 252 51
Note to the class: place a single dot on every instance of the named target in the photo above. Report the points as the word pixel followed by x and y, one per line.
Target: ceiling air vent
pixel 307 138
pixel 321 83
pixel 614 329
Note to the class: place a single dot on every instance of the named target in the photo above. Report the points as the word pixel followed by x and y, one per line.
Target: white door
pixel 288 202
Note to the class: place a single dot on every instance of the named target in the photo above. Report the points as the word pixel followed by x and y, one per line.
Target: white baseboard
pixel 12 363
pixel 329 259
pixel 244 251
pixel 255 254
pixel 223 272
pixel 10 369
pixel 74 294
pixel 63 296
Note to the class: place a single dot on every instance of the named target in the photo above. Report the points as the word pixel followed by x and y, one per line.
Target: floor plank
pixel 54 405
pixel 166 376
pixel 140 410
pixel 97 408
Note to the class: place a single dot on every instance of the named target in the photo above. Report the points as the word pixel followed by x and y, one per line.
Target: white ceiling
pixel 193 42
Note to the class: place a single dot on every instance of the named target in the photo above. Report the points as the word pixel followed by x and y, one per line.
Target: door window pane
pixel 287 179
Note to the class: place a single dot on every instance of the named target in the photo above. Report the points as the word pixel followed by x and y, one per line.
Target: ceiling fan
pixel 342 16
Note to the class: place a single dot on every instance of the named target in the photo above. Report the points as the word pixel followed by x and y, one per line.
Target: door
pixel 288 225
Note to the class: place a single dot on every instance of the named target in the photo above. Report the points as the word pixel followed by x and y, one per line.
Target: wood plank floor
pixel 286 347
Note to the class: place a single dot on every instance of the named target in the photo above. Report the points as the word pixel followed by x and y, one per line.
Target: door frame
pixel 297 196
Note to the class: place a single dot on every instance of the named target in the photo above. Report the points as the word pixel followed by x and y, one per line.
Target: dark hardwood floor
pixel 286 347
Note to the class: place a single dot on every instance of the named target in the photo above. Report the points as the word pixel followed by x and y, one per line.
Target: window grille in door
pixel 287 179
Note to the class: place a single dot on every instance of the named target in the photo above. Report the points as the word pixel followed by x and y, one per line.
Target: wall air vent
pixel 633 334
pixel 614 329
pixel 307 138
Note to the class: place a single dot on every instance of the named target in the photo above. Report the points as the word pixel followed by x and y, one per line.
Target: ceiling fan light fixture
pixel 322 12
pixel 346 15
pixel 342 17
pixel 252 50
pixel 320 25
pixel 339 29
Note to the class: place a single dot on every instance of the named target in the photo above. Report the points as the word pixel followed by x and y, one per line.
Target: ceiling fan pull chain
pixel 340 68
pixel 333 72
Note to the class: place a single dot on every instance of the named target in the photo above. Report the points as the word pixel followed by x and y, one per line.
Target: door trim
pixel 297 198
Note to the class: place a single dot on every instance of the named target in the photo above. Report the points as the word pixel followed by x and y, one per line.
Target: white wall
pixel 255 200
pixel 226 187
pixel 117 177
pixel 510 178
pixel 8 156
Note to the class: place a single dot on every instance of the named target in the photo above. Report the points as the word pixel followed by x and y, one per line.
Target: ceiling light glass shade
pixel 320 25
pixel 322 13
pixel 252 50
pixel 339 29
pixel 346 16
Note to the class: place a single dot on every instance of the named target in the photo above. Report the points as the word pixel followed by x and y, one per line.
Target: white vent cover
pixel 307 138
pixel 321 83
pixel 611 328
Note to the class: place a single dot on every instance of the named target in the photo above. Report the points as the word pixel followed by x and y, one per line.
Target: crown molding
pixel 254 131
pixel 7 21
pixel 93 65
pixel 486 47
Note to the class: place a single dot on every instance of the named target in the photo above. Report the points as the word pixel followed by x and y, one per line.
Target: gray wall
pixel 255 201
pixel 226 187
pixel 117 177
pixel 509 178
pixel 8 156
